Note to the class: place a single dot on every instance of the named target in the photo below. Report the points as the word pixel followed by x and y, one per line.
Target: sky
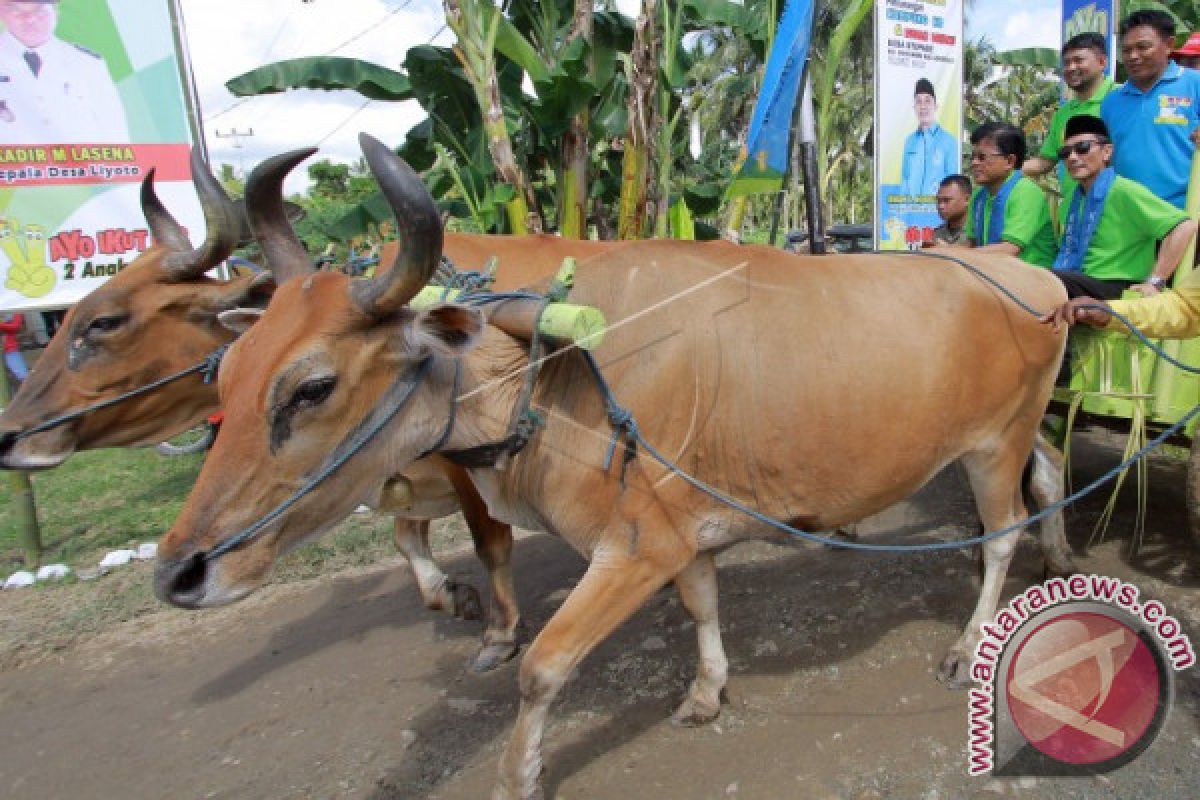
pixel 228 37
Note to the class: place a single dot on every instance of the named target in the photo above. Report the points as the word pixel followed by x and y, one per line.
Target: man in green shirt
pixel 1008 212
pixel 1113 224
pixel 1084 64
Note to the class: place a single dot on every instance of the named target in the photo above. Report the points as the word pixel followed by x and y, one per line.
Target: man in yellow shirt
pixel 1173 314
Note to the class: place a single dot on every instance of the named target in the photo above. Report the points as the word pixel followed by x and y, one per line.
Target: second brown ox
pixel 820 391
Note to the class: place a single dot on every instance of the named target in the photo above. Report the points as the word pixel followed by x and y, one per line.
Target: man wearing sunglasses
pixel 1113 224
pixel 1084 64
pixel 1008 212
pixel 1153 117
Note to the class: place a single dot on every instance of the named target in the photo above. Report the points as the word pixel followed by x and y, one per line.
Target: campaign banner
pixel 918 115
pixel 764 159
pixel 91 98
pixel 1092 16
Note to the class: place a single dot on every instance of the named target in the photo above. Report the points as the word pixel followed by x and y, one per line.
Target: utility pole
pixel 29 535
pixel 237 137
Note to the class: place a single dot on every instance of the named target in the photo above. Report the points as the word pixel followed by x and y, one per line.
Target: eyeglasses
pixel 979 155
pixel 1081 148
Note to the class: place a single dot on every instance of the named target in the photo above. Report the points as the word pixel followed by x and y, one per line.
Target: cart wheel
pixel 1192 493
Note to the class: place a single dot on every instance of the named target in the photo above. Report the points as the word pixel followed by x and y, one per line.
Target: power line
pixel 344 122
pixel 371 27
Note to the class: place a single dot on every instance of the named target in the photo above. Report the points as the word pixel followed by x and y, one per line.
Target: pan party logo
pixel 25 246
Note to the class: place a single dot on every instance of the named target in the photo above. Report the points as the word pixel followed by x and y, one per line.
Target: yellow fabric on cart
pixel 1173 314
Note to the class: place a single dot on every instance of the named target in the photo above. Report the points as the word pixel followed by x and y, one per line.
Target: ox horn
pixel 220 217
pixel 419 225
pixel 163 227
pixel 285 254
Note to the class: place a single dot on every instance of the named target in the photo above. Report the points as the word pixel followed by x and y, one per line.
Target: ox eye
pixel 312 393
pixel 102 325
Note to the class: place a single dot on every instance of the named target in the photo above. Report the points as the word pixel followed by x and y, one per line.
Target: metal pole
pixel 29 536
pixel 812 183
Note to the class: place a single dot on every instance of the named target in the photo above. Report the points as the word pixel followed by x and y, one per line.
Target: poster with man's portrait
pixel 92 96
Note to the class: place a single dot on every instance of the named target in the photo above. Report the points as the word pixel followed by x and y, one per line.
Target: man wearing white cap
pixel 53 91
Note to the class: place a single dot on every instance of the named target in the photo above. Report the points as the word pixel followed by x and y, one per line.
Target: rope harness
pixel 207 368
pixel 525 422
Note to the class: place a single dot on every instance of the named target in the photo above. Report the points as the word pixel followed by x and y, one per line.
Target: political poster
pixel 92 96
pixel 918 115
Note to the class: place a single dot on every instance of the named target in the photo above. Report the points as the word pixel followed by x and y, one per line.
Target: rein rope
pixel 207 368
pixel 525 422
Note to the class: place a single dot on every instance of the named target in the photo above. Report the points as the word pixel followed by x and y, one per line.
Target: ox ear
pixel 243 293
pixel 239 320
pixel 448 330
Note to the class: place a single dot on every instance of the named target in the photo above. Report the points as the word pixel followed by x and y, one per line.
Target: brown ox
pixel 820 390
pixel 159 316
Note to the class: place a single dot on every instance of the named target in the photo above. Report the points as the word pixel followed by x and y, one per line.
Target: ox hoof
pixel 694 712
pixel 467 604
pixel 955 670
pixel 1063 567
pixel 491 656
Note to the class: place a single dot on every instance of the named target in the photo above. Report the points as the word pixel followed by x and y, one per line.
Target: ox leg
pixel 439 592
pixel 615 585
pixel 493 544
pixel 1047 486
pixel 995 481
pixel 697 586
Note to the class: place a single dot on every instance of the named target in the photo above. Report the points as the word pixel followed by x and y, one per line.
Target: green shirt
pixel 1026 222
pixel 1058 125
pixel 1131 224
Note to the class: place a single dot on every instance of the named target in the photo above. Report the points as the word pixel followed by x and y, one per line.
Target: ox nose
pixel 7 440
pixel 181 581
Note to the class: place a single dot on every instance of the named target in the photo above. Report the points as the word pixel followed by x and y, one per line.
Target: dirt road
pixel 347 687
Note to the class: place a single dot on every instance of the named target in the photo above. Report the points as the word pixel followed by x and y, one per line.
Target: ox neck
pixel 488 390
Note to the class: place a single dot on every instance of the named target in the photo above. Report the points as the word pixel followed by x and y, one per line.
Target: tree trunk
pixel 475 28
pixel 643 80
pixel 573 191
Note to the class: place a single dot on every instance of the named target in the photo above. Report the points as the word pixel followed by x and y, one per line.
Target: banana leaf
pixel 323 72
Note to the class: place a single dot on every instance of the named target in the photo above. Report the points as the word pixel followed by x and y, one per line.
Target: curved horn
pixel 419 225
pixel 163 227
pixel 220 217
pixel 286 256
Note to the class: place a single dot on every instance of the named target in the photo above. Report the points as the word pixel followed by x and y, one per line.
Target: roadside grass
pixel 106 499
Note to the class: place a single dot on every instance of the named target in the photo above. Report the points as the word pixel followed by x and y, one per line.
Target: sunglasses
pixel 1079 148
pixel 980 155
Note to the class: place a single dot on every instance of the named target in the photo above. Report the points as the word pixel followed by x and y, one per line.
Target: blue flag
pixel 765 159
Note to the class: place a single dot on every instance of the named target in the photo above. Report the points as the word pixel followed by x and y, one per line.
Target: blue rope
pixel 623 422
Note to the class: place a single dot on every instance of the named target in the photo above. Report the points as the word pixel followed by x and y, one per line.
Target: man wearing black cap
pixel 930 153
pixel 1112 223
pixel 52 91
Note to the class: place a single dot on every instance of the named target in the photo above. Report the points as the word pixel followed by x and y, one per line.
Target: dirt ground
pixel 345 686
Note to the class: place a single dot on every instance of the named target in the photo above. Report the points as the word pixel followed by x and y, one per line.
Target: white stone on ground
pixel 19 579
pixel 50 571
pixel 116 558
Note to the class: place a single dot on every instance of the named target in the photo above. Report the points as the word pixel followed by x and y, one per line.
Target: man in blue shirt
pixel 930 153
pixel 1153 118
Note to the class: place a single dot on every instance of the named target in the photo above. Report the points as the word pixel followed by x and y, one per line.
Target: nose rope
pixel 207 369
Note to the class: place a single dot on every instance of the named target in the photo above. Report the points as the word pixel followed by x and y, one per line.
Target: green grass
pixel 106 499
pixel 98 501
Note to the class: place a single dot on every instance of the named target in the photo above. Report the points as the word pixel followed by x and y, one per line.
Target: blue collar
pixel 930 131
pixel 1171 73
pixel 1082 220
pixel 995 228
